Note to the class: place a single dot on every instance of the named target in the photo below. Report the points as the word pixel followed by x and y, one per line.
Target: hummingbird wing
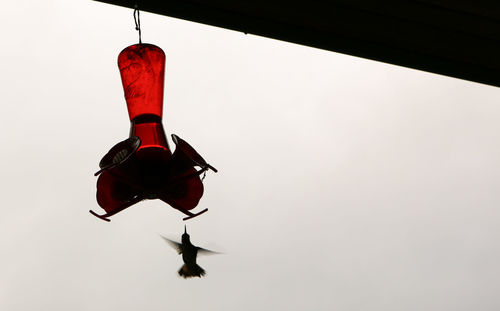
pixel 202 251
pixel 175 245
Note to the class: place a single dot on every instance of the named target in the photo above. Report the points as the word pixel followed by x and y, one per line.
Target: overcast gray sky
pixel 343 184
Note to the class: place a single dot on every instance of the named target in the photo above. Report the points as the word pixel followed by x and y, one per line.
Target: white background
pixel 343 184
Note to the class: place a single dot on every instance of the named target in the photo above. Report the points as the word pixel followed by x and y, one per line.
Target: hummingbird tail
pixel 189 271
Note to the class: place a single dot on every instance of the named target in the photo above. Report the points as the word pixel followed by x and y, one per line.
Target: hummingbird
pixel 189 253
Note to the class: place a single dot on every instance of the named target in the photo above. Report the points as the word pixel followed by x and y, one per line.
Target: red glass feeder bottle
pixel 143 166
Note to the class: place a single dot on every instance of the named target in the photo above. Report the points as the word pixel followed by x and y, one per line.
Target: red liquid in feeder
pixel 142 69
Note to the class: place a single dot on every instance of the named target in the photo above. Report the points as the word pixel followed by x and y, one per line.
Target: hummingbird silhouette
pixel 189 253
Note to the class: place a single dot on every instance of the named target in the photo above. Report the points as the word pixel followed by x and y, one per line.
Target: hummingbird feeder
pixel 143 166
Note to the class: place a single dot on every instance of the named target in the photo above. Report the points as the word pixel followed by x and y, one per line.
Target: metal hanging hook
pixel 137 20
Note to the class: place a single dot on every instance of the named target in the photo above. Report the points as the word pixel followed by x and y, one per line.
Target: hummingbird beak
pixel 185 229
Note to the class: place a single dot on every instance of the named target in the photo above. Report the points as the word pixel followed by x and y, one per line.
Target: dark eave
pixel 456 38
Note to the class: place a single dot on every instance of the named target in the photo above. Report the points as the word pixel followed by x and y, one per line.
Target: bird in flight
pixel 189 253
